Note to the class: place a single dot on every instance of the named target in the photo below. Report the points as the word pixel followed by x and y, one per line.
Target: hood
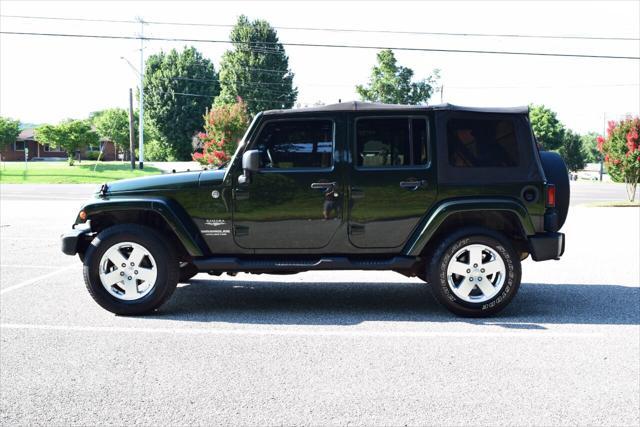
pixel 171 181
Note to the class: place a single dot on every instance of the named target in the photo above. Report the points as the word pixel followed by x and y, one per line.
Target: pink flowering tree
pixel 621 149
pixel 224 125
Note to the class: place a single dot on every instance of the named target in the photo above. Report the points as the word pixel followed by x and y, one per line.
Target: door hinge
pixel 240 230
pixel 356 229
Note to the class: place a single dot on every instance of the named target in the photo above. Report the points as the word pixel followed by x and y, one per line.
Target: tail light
pixel 551 196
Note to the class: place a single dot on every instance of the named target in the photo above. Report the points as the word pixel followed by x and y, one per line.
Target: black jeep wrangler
pixel 455 196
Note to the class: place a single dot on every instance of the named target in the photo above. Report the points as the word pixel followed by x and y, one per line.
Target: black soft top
pixel 371 106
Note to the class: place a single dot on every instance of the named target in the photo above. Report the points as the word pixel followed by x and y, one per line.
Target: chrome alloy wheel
pixel 476 273
pixel 128 271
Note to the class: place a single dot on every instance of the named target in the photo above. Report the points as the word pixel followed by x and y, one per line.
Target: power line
pixel 450 87
pixel 275 101
pixel 343 46
pixel 240 82
pixel 547 87
pixel 214 96
pixel 344 30
pixel 60 18
pixel 249 86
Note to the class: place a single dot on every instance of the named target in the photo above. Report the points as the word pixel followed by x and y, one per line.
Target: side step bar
pixel 234 264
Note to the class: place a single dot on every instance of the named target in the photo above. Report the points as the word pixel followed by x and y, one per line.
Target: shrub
pixel 621 150
pixel 156 151
pixel 224 125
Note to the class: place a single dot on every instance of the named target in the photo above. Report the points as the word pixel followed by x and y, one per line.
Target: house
pixel 37 151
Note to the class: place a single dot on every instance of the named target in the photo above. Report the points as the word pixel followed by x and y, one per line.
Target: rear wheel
pixel 130 269
pixel 475 272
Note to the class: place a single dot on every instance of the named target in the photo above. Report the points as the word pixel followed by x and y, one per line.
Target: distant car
pixel 455 196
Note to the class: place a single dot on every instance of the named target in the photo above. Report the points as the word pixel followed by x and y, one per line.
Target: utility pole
pixel 442 94
pixel 131 131
pixel 141 121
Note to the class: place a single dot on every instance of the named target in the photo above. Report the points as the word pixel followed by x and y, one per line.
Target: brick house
pixel 16 151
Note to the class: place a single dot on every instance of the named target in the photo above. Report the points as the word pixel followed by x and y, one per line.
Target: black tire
pixel 166 264
pixel 187 271
pixel 555 170
pixel 437 271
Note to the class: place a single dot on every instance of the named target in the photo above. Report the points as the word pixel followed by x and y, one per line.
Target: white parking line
pixel 33 239
pixel 27 266
pixel 302 332
pixel 35 198
pixel 36 279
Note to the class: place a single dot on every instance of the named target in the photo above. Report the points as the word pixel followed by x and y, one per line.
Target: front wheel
pixel 475 272
pixel 130 269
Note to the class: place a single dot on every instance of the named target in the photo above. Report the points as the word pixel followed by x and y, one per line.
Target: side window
pixel 18 146
pixel 296 144
pixel 391 142
pixel 482 143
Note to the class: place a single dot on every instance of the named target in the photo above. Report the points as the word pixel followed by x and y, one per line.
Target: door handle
pixel 322 185
pixel 412 185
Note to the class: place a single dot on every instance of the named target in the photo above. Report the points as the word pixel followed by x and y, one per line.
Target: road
pixel 318 348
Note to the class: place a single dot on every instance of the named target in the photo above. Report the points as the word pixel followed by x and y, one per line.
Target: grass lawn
pixel 62 173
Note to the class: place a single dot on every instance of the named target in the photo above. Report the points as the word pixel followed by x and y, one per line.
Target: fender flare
pixel 172 213
pixel 439 213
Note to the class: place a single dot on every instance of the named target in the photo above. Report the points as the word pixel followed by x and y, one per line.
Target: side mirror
pixel 251 161
pixel 250 164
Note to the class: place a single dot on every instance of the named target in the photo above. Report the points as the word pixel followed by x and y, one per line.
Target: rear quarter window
pixel 482 143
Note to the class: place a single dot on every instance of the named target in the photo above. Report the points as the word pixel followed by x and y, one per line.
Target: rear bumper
pixel 545 246
pixel 76 240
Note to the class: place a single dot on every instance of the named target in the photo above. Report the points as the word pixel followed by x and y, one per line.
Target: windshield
pixel 241 144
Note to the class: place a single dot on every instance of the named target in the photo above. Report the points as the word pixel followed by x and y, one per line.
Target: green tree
pixel 71 135
pixel 257 69
pixel 113 124
pixel 621 149
pixel 9 131
pixel 391 83
pixel 572 151
pixel 549 131
pixel 590 146
pixel 178 88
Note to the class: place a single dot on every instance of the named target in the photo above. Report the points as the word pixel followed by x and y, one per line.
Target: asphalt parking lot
pixel 318 348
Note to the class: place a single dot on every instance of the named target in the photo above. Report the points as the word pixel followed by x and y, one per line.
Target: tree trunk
pixel 631 183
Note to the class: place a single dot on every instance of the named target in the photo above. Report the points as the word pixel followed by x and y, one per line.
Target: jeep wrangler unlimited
pixel 455 196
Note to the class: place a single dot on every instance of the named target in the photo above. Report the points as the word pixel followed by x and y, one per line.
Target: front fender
pixel 436 217
pixel 174 215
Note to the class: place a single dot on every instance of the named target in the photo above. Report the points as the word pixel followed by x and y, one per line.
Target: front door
pixel 294 201
pixel 392 179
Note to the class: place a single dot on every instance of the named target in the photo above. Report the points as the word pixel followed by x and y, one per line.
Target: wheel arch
pixel 506 216
pixel 160 214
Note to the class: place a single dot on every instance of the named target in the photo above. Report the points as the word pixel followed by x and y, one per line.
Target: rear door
pixel 294 201
pixel 392 179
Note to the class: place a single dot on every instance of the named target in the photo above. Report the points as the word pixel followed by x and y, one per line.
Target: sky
pixel 47 79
